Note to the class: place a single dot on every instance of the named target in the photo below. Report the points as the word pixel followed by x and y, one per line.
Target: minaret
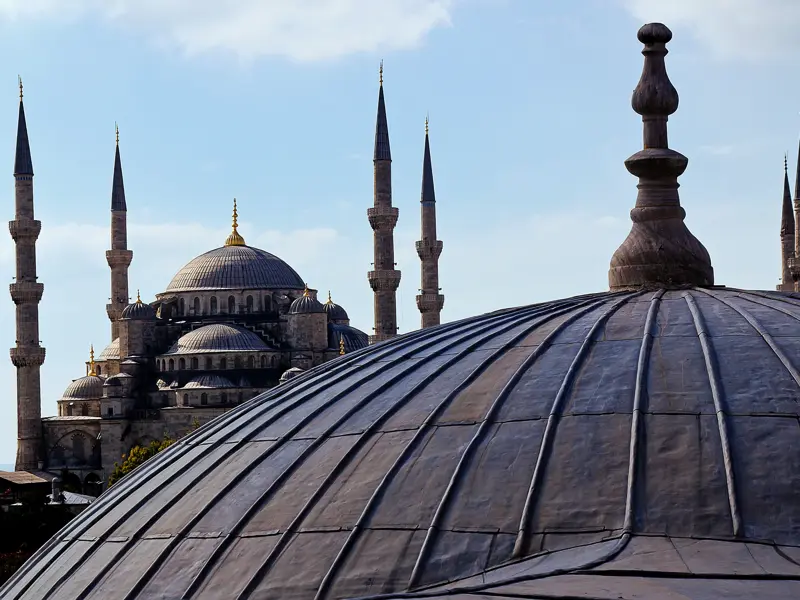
pixel 384 279
pixel 119 257
pixel 26 293
pixel 429 300
pixel 787 232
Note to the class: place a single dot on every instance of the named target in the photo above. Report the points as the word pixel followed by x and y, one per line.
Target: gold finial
pixel 426 124
pixel 116 131
pixel 138 297
pixel 20 86
pixel 92 372
pixel 341 345
pixel 306 292
pixel 380 73
pixel 234 239
pixel 329 298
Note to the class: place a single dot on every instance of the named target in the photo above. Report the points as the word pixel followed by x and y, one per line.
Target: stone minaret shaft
pixel 787 234
pixel 26 292
pixel 119 257
pixel 384 278
pixel 429 300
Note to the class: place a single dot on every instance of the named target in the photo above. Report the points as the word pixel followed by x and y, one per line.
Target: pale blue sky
pixel 274 103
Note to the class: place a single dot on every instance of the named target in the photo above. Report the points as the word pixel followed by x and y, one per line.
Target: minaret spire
pixel 26 292
pixel 119 257
pixel 660 251
pixel 429 300
pixel 787 232
pixel 384 278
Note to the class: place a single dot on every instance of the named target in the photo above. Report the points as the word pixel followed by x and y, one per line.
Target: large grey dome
pixel 219 337
pixel 83 388
pixel 611 436
pixel 235 268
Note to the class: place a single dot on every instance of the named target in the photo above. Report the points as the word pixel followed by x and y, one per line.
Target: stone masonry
pixel 429 300
pixel 119 257
pixel 384 278
pixel 27 356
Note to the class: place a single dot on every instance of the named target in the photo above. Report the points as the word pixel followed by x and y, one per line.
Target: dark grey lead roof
pixel 117 185
pixel 235 268
pixel 562 434
pixel 218 337
pixel 428 193
pixel 382 150
pixel 23 164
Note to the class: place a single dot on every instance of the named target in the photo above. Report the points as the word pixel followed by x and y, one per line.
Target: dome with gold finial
pixel 334 311
pixel 235 266
pixel 138 310
pixel 306 304
pixel 89 387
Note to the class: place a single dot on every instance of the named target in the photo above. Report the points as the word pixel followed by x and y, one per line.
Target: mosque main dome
pixel 235 267
pixel 641 443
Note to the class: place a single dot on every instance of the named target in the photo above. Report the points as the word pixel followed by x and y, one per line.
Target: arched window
pixel 171 365
pixel 182 309
pixel 78 448
pixel 196 305
pixel 251 362
pixel 231 305
pixel 267 303
pixel 69 410
pixel 223 397
pixel 213 303
pixel 99 370
pixel 274 360
pixel 263 361
pixel 249 304
pixel 110 411
pixel 181 364
pixel 209 363
pixel 203 398
pixel 85 410
pixel 237 362
pixel 186 399
pixel 223 363
pixel 195 365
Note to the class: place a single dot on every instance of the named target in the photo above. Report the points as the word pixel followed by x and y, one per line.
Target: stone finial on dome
pixel 660 251
pixel 234 239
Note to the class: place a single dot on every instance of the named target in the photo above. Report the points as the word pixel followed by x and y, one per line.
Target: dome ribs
pixel 522 543
pixel 489 419
pixel 380 490
pixel 720 409
pixel 639 408
pixel 394 350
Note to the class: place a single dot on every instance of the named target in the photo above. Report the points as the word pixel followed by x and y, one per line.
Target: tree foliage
pixel 137 456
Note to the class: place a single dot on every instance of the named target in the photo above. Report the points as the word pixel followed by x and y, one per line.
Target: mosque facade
pixel 232 323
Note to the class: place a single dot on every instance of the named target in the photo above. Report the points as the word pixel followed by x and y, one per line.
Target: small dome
pixel 354 339
pixel 112 382
pixel 219 337
pixel 335 312
pixel 290 374
pixel 139 311
pixel 208 382
pixel 111 352
pixel 306 304
pixel 85 388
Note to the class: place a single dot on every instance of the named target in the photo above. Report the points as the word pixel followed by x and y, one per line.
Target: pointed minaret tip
pixel 787 213
pixel 428 192
pixel 118 202
pixel 23 165
pixel 382 149
pixel 116 131
pixel 380 78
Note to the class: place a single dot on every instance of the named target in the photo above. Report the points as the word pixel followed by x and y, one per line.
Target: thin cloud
pixel 751 30
pixel 302 30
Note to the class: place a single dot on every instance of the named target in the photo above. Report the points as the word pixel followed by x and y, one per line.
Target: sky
pixel 274 103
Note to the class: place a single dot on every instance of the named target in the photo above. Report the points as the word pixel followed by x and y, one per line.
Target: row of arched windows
pixel 213 305
pixel 208 363
pixel 223 398
pixel 74 411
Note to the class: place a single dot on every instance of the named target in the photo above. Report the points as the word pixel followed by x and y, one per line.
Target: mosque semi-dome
pixel 83 388
pixel 218 337
pixel 641 443
pixel 110 352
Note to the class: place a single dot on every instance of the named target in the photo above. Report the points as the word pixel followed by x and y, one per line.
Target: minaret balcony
pixel 383 217
pixel 119 258
pixel 26 292
pixel 429 250
pixel 794 267
pixel 24 229
pixel 384 280
pixel 430 302
pixel 27 356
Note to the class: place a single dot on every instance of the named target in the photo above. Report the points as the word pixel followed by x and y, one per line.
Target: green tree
pixel 137 456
